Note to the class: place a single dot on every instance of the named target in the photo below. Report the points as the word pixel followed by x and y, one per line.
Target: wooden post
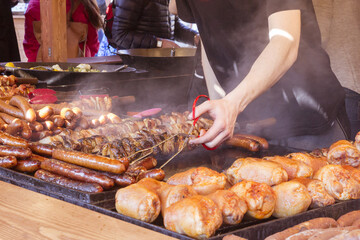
pixel 53 30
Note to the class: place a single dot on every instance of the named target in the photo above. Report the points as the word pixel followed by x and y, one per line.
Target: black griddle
pixel 219 160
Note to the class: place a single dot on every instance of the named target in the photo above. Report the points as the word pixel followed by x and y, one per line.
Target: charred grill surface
pixel 163 135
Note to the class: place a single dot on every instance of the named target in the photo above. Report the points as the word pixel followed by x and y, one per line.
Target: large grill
pixel 218 160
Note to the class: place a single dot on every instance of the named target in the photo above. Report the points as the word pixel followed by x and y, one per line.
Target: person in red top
pixel 87 12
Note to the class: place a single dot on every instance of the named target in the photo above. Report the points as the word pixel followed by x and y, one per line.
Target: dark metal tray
pixel 218 160
pixel 73 79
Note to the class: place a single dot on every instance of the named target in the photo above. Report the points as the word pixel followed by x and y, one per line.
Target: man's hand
pixel 224 114
pixel 166 43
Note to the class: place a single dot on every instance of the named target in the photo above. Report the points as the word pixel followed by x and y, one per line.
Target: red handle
pixel 196 119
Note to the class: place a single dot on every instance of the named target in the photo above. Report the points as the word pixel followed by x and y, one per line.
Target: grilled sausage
pixel 67 113
pixel 3 124
pixel 262 141
pixel 103 119
pixel 77 173
pixel 94 123
pixel 89 161
pixel 56 107
pixel 8 161
pixel 8 118
pixel 71 124
pixel 36 136
pixel 157 174
pixel 66 182
pixel 243 142
pixel 36 126
pixel 77 111
pixel 22 103
pixel 18 152
pixel 14 127
pixel 125 161
pixel 7 139
pixel 48 125
pixel 26 130
pixel 42 149
pixel 58 120
pixel 113 118
pixel 135 171
pixel 27 165
pixel 44 113
pixel 38 158
pixel 83 123
pixel 122 180
pixel 58 130
pixel 148 163
pixel 316 223
pixel 11 110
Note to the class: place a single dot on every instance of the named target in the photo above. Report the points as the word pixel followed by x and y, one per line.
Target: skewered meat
pixel 232 207
pixel 170 194
pixel 316 188
pixel 345 153
pixel 291 198
pixel 260 198
pixel 128 137
pixel 338 182
pixel 292 167
pixel 314 162
pixel 258 170
pixel 196 216
pixel 202 179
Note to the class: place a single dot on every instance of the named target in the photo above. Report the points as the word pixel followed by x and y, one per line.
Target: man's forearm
pixel 277 57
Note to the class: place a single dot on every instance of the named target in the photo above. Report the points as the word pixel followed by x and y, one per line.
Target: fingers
pixel 200 110
pixel 217 134
pixel 219 139
pixel 224 116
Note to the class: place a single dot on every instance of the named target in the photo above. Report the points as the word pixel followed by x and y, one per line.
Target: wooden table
pixel 29 215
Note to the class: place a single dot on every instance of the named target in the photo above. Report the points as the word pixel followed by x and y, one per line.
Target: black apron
pixel 305 101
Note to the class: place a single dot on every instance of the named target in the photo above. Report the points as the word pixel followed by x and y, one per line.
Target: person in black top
pixel 276 79
pixel 9 50
pixel 147 24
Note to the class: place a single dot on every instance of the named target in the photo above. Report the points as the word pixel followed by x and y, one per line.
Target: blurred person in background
pixel 86 12
pixel 339 22
pixel 9 50
pixel 266 72
pixel 148 24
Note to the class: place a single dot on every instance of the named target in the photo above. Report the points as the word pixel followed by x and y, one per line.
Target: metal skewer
pixel 185 143
pixel 149 148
